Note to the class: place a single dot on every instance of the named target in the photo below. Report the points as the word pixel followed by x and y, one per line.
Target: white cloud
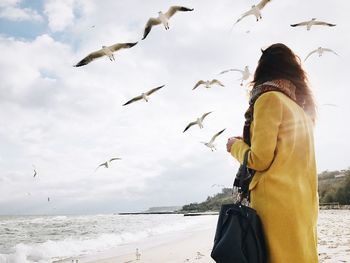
pixel 59 13
pixel 10 9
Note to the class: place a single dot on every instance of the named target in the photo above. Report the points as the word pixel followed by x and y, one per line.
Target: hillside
pixel 333 186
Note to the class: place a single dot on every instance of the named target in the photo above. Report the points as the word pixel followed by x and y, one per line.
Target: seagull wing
pixel 330 104
pixel 262 4
pixel 118 46
pixel 330 50
pixel 238 70
pixel 321 23
pixel 198 83
pixel 300 24
pixel 102 164
pixel 215 81
pixel 205 115
pixel 216 135
pixel 151 22
pixel 90 58
pixel 224 71
pixel 173 9
pixel 114 159
pixel 154 90
pixel 312 52
pixel 133 100
pixel 189 125
pixel 248 13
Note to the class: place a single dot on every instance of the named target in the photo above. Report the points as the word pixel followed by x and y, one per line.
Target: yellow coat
pixel 284 188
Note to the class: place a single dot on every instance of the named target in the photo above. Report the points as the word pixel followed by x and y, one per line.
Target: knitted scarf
pixel 282 85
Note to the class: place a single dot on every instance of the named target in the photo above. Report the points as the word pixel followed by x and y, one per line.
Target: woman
pixel 283 190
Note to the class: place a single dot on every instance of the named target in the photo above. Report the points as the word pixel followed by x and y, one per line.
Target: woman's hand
pixel 231 141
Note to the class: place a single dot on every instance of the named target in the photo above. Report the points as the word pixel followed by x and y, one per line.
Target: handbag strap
pixel 242 179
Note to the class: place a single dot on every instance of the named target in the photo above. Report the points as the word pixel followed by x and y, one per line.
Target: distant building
pixel 339 175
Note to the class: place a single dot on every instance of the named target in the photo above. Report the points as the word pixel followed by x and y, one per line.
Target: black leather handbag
pixel 239 236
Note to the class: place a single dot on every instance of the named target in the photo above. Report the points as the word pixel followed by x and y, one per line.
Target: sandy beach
pixel 334 244
pixel 179 251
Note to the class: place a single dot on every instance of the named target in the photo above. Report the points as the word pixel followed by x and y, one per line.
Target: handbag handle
pixel 242 176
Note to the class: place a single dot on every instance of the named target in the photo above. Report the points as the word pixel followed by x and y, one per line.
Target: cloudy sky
pixel 65 120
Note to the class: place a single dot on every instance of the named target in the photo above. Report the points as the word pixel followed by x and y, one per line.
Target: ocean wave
pixel 50 250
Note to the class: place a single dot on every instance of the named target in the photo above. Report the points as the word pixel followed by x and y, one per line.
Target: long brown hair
pixel 279 62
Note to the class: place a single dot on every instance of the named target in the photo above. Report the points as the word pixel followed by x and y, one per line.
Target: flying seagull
pixel 320 51
pixel 245 73
pixel 211 144
pixel 199 121
pixel 208 83
pixel 35 173
pixel 107 163
pixel 312 22
pixel 105 51
pixel 329 104
pixel 143 96
pixel 163 18
pixel 255 10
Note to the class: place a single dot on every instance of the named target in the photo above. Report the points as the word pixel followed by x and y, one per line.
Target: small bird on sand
pixel 137 254
pixel 255 10
pixel 211 144
pixel 198 121
pixel 208 83
pixel 320 51
pixel 107 163
pixel 143 96
pixel 312 22
pixel 245 73
pixel 105 51
pixel 199 255
pixel 163 18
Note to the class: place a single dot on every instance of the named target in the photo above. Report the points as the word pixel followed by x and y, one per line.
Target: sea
pixel 42 239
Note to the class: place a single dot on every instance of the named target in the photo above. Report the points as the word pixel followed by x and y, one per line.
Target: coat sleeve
pixel 265 127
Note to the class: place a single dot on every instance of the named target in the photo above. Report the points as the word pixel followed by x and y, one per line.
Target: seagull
pixel 255 10
pixel 199 255
pixel 245 73
pixel 163 18
pixel 105 51
pixel 329 104
pixel 312 22
pixel 143 96
pixel 137 254
pixel 208 83
pixel 211 144
pixel 107 163
pixel 320 51
pixel 35 173
pixel 199 121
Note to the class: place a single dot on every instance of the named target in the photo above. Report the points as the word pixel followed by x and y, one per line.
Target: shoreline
pixel 158 248
pixel 196 245
pixel 179 250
